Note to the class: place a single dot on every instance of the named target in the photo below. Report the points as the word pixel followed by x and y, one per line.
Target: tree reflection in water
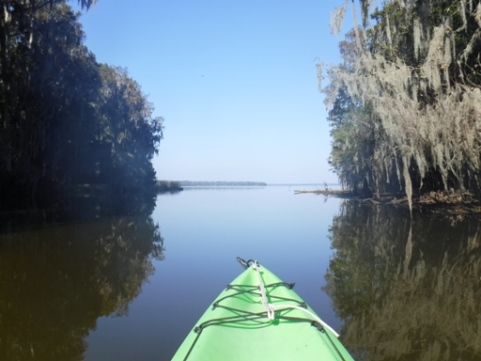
pixel 55 282
pixel 406 289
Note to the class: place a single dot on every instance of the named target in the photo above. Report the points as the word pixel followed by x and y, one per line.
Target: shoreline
pixel 451 204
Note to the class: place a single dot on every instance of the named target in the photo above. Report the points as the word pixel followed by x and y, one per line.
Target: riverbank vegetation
pixel 67 123
pixel 405 104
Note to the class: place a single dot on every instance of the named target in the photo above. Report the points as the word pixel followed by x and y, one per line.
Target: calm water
pixel 131 288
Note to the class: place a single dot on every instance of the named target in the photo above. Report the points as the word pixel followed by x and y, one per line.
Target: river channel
pixel 131 287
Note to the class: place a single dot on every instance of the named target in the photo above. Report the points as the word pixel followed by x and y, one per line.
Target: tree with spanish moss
pixel 415 74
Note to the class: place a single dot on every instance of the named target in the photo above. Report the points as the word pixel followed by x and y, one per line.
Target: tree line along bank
pixel 67 121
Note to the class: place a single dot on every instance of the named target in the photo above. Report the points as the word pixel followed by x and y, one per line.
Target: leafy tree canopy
pixel 66 120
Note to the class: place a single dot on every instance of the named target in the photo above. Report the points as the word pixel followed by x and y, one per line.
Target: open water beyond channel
pixel 131 288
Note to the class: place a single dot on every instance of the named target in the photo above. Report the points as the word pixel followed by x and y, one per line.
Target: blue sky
pixel 235 82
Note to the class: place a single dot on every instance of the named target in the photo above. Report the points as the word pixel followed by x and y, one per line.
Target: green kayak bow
pixel 260 317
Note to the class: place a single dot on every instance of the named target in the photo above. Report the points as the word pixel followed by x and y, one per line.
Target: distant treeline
pixel 167 186
pixel 220 184
pixel 67 121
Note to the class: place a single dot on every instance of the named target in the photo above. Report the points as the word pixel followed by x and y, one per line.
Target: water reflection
pixel 406 290
pixel 56 281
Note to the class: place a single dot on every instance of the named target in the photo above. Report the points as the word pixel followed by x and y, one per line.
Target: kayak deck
pixel 260 317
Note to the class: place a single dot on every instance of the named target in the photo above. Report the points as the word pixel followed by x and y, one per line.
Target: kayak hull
pixel 260 317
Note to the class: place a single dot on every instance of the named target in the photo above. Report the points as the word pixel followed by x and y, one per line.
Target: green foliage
pixel 352 139
pixel 408 95
pixel 66 120
pixel 128 131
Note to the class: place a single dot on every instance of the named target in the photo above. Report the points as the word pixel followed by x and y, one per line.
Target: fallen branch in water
pixel 326 192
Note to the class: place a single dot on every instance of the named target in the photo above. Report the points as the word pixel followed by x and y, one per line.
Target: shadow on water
pixel 406 290
pixel 57 280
